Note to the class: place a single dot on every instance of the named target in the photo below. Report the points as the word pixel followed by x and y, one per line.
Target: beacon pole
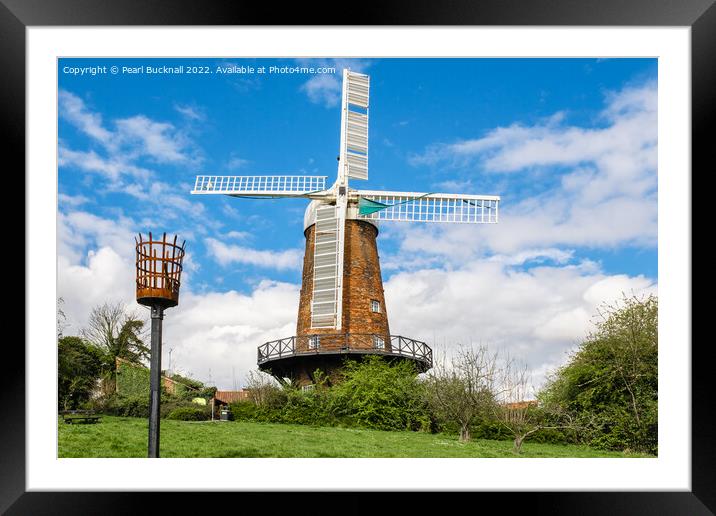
pixel 155 378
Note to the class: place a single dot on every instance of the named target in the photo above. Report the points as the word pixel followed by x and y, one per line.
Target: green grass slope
pixel 127 437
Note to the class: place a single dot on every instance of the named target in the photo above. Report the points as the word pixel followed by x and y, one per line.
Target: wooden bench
pixel 86 416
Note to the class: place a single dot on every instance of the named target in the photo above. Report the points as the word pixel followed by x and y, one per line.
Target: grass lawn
pixel 127 437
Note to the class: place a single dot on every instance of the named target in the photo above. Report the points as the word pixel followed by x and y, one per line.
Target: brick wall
pixel 362 284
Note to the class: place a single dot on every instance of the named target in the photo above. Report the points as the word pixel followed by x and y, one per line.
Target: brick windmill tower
pixel 342 312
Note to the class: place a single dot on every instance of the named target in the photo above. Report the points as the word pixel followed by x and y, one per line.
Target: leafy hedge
pixel 138 406
pixel 190 414
pixel 133 380
pixel 118 405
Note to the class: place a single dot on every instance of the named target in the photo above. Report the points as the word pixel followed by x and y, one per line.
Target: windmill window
pixel 375 306
pixel 314 341
pixel 378 342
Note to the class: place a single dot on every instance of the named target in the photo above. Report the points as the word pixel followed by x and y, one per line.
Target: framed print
pixel 138 102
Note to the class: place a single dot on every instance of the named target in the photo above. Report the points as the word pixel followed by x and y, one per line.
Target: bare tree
pixel 519 414
pixel 463 388
pixel 61 318
pixel 514 411
pixel 118 332
pixel 259 385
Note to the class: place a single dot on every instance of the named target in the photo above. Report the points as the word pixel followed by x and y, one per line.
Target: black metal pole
pixel 155 375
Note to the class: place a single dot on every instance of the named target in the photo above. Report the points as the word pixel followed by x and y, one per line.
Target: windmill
pixel 342 306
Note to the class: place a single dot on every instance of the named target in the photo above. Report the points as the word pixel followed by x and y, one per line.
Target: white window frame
pixel 373 304
pixel 378 342
pixel 314 342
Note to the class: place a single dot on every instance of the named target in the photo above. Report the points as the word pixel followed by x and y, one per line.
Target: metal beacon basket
pixel 159 266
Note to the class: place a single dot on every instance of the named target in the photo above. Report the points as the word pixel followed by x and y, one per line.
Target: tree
pixel 61 318
pixel 610 384
pixel 79 368
pixel 517 412
pixel 464 389
pixel 260 386
pixel 119 334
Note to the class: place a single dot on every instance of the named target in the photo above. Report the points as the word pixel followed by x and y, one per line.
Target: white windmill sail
pixel 354 125
pixel 327 292
pixel 260 186
pixel 427 207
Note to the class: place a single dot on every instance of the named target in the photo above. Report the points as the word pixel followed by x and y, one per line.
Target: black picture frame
pixel 699 15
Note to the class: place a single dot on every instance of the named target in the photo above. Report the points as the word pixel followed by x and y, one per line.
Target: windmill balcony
pixel 272 353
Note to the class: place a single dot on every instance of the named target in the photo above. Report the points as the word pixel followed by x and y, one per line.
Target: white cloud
pixel 112 168
pixel 535 255
pixel 159 140
pixel 168 203
pixel 236 162
pixel 190 112
pixel 132 137
pixel 326 88
pixel 239 235
pixel 73 109
pixel 606 193
pixel 106 276
pixel 323 89
pixel 228 254
pixel 71 200
pixel 80 230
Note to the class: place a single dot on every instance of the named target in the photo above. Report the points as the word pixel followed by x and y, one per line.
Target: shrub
pixel 189 414
pixel 381 395
pixel 170 404
pixel 314 407
pixel 244 411
pixel 124 406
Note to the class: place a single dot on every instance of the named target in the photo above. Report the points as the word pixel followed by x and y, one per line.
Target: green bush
pixel 124 406
pixel 170 404
pixel 189 414
pixel 314 407
pixel 382 395
pixel 244 411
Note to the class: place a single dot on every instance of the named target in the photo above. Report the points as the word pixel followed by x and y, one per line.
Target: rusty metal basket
pixel 159 266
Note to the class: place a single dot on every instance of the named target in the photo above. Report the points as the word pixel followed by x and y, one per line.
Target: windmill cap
pixel 309 217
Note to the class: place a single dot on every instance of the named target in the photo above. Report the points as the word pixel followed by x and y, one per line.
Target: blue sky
pixel 569 144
